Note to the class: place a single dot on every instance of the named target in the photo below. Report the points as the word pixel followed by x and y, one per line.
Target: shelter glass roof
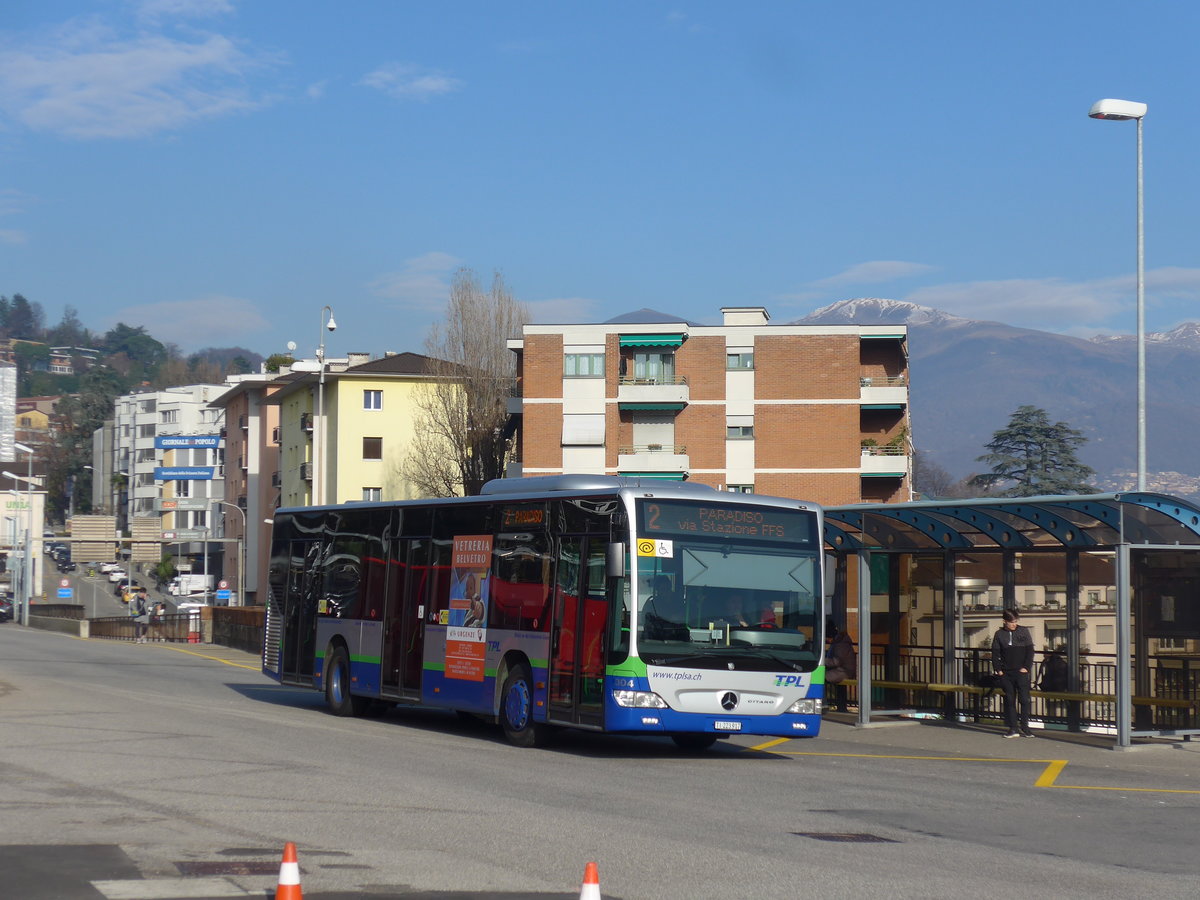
pixel 1076 521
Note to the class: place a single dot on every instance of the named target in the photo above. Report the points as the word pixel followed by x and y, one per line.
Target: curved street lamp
pixel 1123 111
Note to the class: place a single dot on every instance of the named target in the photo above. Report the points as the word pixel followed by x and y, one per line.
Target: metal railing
pixel 181 627
pixel 884 450
pixel 678 449
pixel 911 677
pixel 882 381
pixel 652 379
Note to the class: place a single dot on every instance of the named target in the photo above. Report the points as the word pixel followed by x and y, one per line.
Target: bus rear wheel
pixel 516 710
pixel 694 742
pixel 337 686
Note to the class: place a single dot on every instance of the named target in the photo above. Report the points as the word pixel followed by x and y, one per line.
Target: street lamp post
pixel 319 425
pixel 241 553
pixel 1123 111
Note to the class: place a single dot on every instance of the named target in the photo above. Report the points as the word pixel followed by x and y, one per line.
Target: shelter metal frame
pixel 1117 522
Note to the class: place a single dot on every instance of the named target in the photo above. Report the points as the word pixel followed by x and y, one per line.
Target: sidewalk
pixel 1174 759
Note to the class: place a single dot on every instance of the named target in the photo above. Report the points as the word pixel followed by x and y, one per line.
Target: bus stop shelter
pixel 1109 584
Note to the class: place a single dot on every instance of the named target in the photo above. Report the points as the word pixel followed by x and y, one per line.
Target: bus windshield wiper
pixel 724 657
pixel 764 654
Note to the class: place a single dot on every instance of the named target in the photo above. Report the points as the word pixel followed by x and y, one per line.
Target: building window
pixel 372 448
pixel 372 399
pixel 169 416
pixel 147 406
pixel 1031 597
pixel 183 489
pixel 656 367
pixel 583 365
pixel 740 488
pixel 146 431
pixel 372 493
pixel 1105 634
pixel 739 360
pixel 739 432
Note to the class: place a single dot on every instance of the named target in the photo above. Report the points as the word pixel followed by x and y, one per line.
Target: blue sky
pixel 218 170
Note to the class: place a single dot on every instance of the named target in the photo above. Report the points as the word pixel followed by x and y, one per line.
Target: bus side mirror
pixel 614 560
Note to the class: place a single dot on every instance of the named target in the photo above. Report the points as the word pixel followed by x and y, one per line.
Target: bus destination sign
pixel 726 520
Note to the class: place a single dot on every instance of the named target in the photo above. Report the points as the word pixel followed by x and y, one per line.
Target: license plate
pixel 727 726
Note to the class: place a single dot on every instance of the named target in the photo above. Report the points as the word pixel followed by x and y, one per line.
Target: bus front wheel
pixel 337 686
pixel 516 710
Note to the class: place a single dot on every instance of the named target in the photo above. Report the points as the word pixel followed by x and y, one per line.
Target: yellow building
pixel 363 414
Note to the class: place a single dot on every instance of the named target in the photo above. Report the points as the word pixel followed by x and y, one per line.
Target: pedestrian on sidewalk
pixel 1012 659
pixel 141 616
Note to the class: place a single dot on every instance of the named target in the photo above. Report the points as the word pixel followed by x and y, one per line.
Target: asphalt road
pixel 152 771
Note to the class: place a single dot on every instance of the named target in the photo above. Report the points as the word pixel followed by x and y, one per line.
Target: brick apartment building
pixel 818 412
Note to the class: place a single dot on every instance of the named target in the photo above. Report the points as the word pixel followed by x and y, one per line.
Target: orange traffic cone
pixel 289 875
pixel 591 883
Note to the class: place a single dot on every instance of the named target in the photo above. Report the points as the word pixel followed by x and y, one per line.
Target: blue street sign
pixel 64 593
pixel 224 595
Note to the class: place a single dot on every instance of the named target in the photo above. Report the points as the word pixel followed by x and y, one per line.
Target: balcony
pixel 671 390
pixel 306 422
pixel 243 422
pixel 653 458
pixel 275 435
pixel 884 462
pixel 241 502
pixel 883 390
pixel 306 471
pixel 276 479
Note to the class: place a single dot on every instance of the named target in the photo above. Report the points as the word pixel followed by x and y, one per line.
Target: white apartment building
pixel 167 445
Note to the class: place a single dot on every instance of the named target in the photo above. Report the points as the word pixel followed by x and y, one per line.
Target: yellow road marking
pixel 1048 778
pixel 227 662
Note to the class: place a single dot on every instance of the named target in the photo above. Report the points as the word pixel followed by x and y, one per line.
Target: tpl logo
pixel 789 680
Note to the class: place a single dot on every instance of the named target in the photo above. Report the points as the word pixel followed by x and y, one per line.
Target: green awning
pixel 882 474
pixel 670 407
pixel 892 337
pixel 651 340
pixel 883 406
pixel 663 476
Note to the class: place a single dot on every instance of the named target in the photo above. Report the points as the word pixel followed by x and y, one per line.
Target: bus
pixel 613 604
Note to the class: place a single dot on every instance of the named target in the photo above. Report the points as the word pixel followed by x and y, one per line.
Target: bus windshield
pixel 734 587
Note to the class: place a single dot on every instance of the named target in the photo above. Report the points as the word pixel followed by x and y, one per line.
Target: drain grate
pixel 845 837
pixel 227 867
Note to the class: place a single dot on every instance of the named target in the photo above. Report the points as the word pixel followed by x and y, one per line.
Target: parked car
pixel 190 606
pixel 65 565
pixel 6 609
pixel 115 575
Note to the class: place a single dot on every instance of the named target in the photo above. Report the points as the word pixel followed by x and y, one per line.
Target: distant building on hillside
pixel 8 411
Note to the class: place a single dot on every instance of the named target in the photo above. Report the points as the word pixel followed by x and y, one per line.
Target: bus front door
pixel 577 633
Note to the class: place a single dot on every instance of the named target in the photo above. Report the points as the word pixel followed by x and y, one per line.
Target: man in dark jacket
pixel 1012 658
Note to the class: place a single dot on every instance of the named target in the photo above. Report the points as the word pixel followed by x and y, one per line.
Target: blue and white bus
pixel 604 603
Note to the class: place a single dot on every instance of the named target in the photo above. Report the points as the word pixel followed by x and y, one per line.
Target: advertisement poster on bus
pixel 466 638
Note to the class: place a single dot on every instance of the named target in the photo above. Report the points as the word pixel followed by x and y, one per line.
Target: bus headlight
pixel 806 707
pixel 639 699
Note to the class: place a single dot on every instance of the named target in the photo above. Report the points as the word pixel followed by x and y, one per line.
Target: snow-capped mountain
pixel 968 376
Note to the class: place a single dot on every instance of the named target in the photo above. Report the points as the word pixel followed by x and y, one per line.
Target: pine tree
pixel 1036 456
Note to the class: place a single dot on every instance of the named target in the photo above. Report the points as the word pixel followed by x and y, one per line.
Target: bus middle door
pixel 577 633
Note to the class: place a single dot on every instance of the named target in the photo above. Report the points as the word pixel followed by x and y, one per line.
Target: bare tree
pixel 461 440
